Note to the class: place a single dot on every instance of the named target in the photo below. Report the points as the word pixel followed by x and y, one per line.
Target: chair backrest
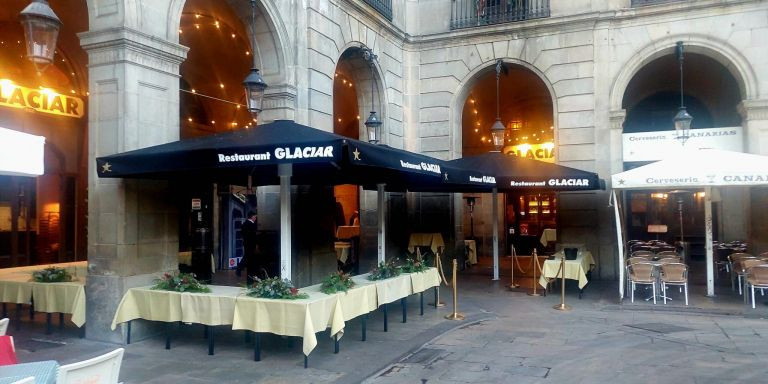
pixel 746 264
pixel 26 380
pixel 102 369
pixel 667 260
pixel 738 264
pixel 738 255
pixel 758 275
pixel 667 253
pixel 3 326
pixel 637 259
pixel 763 255
pixel 642 271
pixel 674 272
pixel 642 253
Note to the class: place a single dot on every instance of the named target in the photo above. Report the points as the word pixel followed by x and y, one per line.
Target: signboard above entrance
pixel 542 152
pixel 652 146
pixel 41 100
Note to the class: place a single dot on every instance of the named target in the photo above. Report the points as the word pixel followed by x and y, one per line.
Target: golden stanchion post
pixel 535 266
pixel 455 315
pixel 439 266
pixel 512 284
pixel 562 306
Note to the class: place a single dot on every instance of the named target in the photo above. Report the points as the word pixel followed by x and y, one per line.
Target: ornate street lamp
pixel 497 129
pixel 254 84
pixel 372 123
pixel 682 118
pixel 41 30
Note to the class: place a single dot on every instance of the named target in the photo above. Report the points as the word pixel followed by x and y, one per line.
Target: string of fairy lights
pixel 13 48
pixel 517 132
pixel 343 82
pixel 196 22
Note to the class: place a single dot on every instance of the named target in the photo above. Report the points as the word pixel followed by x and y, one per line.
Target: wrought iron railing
pixel 384 7
pixel 473 13
pixel 640 3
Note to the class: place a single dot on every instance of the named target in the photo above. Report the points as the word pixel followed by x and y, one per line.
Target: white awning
pixel 21 154
pixel 696 168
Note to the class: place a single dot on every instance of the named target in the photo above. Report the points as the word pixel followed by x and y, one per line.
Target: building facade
pixel 574 75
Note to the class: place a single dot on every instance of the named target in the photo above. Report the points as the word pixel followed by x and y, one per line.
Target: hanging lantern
pixel 41 30
pixel 372 126
pixel 683 125
pixel 254 91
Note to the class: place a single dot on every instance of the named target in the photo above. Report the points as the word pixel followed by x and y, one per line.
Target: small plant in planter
pixel 385 270
pixel 180 282
pixel 275 288
pixel 337 282
pixel 51 275
pixel 413 266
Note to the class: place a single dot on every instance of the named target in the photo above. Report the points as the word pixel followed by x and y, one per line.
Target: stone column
pixel 617 119
pixel 132 224
pixel 754 115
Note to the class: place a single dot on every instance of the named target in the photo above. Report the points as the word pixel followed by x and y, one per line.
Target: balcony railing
pixel 384 7
pixel 640 3
pixel 473 13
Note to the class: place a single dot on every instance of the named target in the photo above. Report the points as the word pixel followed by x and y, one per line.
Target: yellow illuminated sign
pixel 542 152
pixel 42 100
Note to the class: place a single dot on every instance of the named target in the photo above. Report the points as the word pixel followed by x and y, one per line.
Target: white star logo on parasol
pixel 357 154
pixel 106 167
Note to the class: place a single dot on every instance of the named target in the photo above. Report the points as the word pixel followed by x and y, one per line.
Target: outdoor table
pixel 76 268
pixel 471 251
pixel 346 232
pixel 65 297
pixel 300 317
pixel 45 372
pixel 210 309
pixel 432 240
pixel 574 269
pixel 547 235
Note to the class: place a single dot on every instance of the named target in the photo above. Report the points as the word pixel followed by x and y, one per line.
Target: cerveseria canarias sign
pixel 42 100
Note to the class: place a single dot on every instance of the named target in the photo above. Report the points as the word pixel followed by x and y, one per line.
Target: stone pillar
pixel 617 119
pixel 132 224
pixel 754 115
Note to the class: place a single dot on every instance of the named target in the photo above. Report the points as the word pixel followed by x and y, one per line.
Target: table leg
pixel 48 330
pixel 5 310
pixel 18 316
pixel 211 331
pixel 256 347
pixel 421 303
pixel 404 305
pixel 247 336
pixel 61 321
pixel 581 292
pixel 365 321
pixel 205 331
pixel 128 339
pixel 336 343
pixel 32 309
pixel 167 335
pixel 306 361
pixel 384 308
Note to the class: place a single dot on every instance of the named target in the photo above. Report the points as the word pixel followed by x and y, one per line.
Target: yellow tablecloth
pixel 360 299
pixel 392 289
pixel 214 308
pixel 148 304
pixel 342 250
pixel 302 317
pixel 422 281
pixel 548 235
pixel 78 269
pixel 574 269
pixel 69 297
pixel 432 240
pixel 345 232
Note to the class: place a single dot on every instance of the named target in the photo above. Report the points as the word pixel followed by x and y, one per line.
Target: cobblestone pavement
pixel 507 337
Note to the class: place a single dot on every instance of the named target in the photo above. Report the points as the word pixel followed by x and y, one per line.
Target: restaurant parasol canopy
pixel 692 168
pixel 494 171
pixel 279 153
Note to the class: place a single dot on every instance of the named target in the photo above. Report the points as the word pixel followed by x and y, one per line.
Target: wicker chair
pixel 667 260
pixel 634 260
pixel 674 274
pixel 733 258
pixel 642 273
pixel 763 256
pixel 741 266
pixel 667 253
pixel 757 277
pixel 647 254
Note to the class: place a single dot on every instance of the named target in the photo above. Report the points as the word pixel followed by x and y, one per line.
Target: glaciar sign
pixel 568 182
pixel 434 168
pixel 281 153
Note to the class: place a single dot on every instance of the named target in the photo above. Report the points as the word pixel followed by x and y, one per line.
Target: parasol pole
pixel 495 213
pixel 285 171
pixel 382 221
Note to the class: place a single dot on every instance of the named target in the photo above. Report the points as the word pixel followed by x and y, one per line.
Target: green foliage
pixel 337 282
pixel 275 288
pixel 51 275
pixel 413 266
pixel 180 282
pixel 385 270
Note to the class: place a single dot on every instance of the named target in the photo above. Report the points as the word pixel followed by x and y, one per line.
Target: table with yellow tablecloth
pixel 432 240
pixel 17 286
pixel 547 235
pixel 301 317
pixel 574 269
